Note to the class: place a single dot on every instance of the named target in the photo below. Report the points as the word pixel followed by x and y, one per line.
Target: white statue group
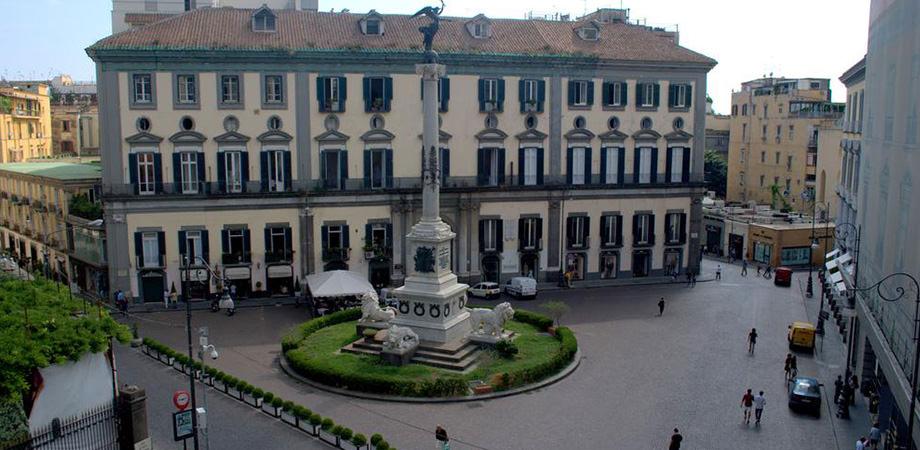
pixel 483 322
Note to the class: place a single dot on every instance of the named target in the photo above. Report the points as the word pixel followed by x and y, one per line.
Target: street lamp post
pixel 203 347
pixel 809 288
pixel 900 293
pixel 191 355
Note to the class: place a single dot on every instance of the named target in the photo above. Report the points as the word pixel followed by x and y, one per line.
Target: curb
pixel 576 361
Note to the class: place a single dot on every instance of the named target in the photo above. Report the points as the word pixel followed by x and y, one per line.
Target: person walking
pixel 794 367
pixel 759 403
pixel 743 267
pixel 661 306
pixel 689 278
pixel 752 340
pixel 854 388
pixel 861 443
pixel 838 388
pixel 693 279
pixel 718 271
pixel 875 435
pixel 676 439
pixel 440 434
pixel 873 407
pixel 165 299
pixel 747 401
pixel 787 366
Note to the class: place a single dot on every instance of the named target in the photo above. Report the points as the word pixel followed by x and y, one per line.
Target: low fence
pixel 94 429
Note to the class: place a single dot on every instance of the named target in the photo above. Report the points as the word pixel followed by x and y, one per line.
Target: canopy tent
pixel 338 283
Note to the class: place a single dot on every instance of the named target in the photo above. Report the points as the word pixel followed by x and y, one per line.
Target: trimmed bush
pixel 301 413
pixel 316 419
pixel 277 402
pixel 246 387
pixel 327 424
pixel 346 434
pixel 268 397
pixel 258 393
pixel 506 348
pixel 337 430
pixel 359 440
pixel 538 320
pixel 298 333
pixel 376 438
pixel 288 406
pixel 382 445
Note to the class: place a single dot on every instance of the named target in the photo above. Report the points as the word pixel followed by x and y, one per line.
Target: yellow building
pixel 37 202
pixel 25 122
pixel 307 157
pixel 774 140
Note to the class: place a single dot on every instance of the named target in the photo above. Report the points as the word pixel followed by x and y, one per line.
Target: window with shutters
pixel 150 245
pixel 186 89
pixel 578 163
pixel 530 233
pixel 677 165
pixel 277 176
pixel 193 249
pixel 143 88
pixel 333 162
pixel 612 165
pixel 378 237
pixel 579 93
pixel 615 94
pixel 230 89
pixel 645 165
pixel 680 96
pixel 336 236
pixel 777 158
pixel 491 166
pixel 489 94
pixel 530 166
pixel 146 175
pixel 643 229
pixel 189 172
pixel 648 95
pixel 530 91
pixel 675 228
pixel 378 168
pixel 744 109
pixel 377 96
pixel 611 229
pixel 278 244
pixel 236 248
pixel 577 233
pixel 233 171
pixel 331 94
pixel 490 238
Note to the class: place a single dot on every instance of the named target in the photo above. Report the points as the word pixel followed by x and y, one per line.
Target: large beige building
pixel 25 122
pixel 74 118
pixel 847 180
pixel 290 145
pixel 774 140
pixel 128 14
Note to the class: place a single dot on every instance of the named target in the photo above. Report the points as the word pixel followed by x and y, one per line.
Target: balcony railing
pixel 336 254
pixel 525 245
pixel 575 245
pixel 140 262
pixel 279 256
pixel 378 252
pixel 236 258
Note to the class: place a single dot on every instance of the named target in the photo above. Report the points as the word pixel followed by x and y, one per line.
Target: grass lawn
pixel 534 348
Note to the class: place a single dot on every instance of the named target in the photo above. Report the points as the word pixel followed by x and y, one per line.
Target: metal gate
pixel 94 429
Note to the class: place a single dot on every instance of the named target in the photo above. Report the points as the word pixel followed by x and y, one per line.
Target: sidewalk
pixel 201 305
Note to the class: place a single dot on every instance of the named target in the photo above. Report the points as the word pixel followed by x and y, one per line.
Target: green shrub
pixel 506 348
pixel 301 413
pixel 346 434
pixel 382 445
pixel 277 402
pixel 268 397
pixel 376 438
pixel 316 419
pixel 300 332
pixel 538 320
pixel 211 371
pixel 246 388
pixel 327 424
pixel 337 430
pixel 359 440
pixel 288 406
pixel 258 393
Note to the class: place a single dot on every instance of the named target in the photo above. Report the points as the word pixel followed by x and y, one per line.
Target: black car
pixel 805 395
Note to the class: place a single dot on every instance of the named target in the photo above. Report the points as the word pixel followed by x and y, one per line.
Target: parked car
pixel 805 395
pixel 485 289
pixel 782 276
pixel 801 334
pixel 521 287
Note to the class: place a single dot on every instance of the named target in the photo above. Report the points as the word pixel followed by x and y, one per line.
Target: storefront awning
pixel 831 265
pixel 836 277
pixel 832 254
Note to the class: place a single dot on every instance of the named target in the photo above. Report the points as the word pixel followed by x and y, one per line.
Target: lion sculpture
pixel 371 310
pixel 490 322
pixel 400 338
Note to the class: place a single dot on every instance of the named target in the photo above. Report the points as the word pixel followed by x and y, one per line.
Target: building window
pixel 377 94
pixel 378 170
pixel 278 244
pixel 187 92
pixel 789 162
pixel 150 245
pixel 648 95
pixel 233 171
pixel 372 27
pixel 277 168
pixel 743 131
pixel 677 164
pixel 680 95
pixel 491 166
pixel 530 91
pixel 490 237
pixel 615 94
pixel 529 165
pixel 645 165
pixel 491 94
pixel 762 252
pixel 777 158
pixel 230 89
pixel 763 157
pixel 65 124
pixel 479 30
pixel 530 232
pixel 643 234
pixel 734 110
pixel 189 172
pixel 675 228
pixel 579 164
pixel 191 248
pixel 331 93
pixel 263 21
pixel 236 246
pixel 336 236
pixel 744 109
pixel 274 90
pixel 577 228
pixel 143 88
pixel 611 230
pixel 611 165
pixel 334 165
pixel 146 174
pixel 779 132
pixel 578 93
pixel 761 180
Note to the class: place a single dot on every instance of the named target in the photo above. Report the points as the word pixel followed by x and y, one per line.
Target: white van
pixel 521 287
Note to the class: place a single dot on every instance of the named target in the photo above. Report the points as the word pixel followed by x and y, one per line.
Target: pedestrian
pixel 693 279
pixel 661 306
pixel 743 267
pixel 861 443
pixel 854 388
pixel 676 439
pixel 718 271
pixel 758 269
pixel 440 434
pixel 165 299
pixel 787 366
pixel 794 367
pixel 875 435
pixel 759 402
pixel 752 340
pixel 747 401
pixel 843 405
pixel 838 388
pixel 233 290
pixel 873 407
pixel 689 278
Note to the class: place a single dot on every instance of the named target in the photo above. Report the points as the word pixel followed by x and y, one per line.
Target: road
pixel 640 377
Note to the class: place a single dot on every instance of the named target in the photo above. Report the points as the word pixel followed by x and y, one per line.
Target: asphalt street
pixel 641 375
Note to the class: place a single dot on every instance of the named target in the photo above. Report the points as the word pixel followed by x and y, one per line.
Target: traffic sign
pixel 183 427
pixel 181 399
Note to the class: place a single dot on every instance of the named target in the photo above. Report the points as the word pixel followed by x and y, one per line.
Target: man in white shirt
pixel 861 443
pixel 759 402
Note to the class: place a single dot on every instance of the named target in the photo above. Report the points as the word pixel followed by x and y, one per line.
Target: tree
pixel 556 310
pixel 716 172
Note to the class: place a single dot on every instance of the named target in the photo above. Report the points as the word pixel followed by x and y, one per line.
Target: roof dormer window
pixel 589 32
pixel 372 24
pixel 479 27
pixel 264 20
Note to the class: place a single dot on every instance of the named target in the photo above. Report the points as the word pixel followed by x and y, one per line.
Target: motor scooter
pixel 220 302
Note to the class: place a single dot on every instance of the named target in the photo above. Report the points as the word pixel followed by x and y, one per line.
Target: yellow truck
pixel 802 335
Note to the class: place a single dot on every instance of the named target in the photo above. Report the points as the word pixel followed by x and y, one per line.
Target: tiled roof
pixel 229 29
pixel 57 170
pixel 140 19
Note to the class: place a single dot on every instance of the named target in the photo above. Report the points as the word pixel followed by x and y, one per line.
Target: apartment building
pixel 774 140
pixel 847 188
pixel 74 118
pixel 25 122
pixel 306 157
pixel 128 14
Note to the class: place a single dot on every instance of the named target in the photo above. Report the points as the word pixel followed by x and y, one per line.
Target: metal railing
pixel 279 256
pixel 236 258
pixel 94 429
pixel 336 254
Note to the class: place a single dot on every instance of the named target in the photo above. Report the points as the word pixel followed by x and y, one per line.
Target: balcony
pixel 236 258
pixel 575 245
pixel 527 245
pixel 813 143
pixel 26 113
pixel 140 262
pixel 282 256
pixel 377 252
pixel 336 254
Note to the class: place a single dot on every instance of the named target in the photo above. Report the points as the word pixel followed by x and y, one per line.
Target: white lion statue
pixel 400 338
pixel 490 322
pixel 371 310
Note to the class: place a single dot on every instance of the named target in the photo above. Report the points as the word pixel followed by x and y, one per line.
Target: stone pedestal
pixel 398 357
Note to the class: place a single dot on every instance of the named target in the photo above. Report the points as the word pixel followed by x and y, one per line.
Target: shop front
pixel 280 279
pixel 609 264
pixel 197 281
pixel 641 263
pixel 576 263
pixel 239 280
pixel 152 284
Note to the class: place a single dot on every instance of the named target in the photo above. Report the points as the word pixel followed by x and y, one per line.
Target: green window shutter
pixel 590 89
pixel 321 93
pixel 501 95
pixel 367 168
pixel 367 94
pixel 501 166
pixel 388 181
pixel 689 100
pixel 639 93
pixel 343 168
pixel 657 98
pixel 588 165
pixel 569 164
pixel 482 95
pixel 367 235
pixel 521 96
pixel 387 93
pixel 623 92
pixel 541 95
pixel 571 95
pixel 183 247
pixel 540 166
pixel 605 93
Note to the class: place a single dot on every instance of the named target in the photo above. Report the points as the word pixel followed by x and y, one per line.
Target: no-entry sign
pixel 181 399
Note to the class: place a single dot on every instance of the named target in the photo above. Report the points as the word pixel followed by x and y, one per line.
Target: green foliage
pixel 6 105
pixel 506 348
pixel 382 445
pixel 327 424
pixel 376 438
pixel 346 434
pixel 14 426
pixel 359 440
pixel 300 332
pixel 776 194
pixel 715 171
pixel 288 406
pixel 258 393
pixel 337 430
pixel 302 413
pixel 81 206
pixel 268 397
pixel 277 402
pixel 316 419
pixel 39 327
pixel 538 320
pixel 556 309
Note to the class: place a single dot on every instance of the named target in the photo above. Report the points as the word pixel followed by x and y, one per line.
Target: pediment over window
pixel 646 135
pixel 378 135
pixel 231 137
pixel 531 135
pixel 678 136
pixel 188 137
pixel 613 135
pixel 375 20
pixel 579 134
pixel 275 137
pixel 264 20
pixel 143 138
pixel 332 137
pixel 491 135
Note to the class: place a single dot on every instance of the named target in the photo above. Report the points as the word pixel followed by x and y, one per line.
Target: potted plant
pixel 303 418
pixel 276 405
pixel 233 389
pixel 257 395
pixel 267 399
pixel 287 413
pixel 217 381
pixel 359 441
pixel 376 439
pixel 345 435
pixel 315 421
pixel 382 445
pixel 368 251
pixel 248 397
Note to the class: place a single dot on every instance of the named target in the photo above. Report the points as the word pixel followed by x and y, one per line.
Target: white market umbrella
pixel 338 283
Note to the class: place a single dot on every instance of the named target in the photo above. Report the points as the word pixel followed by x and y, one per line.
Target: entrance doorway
pixel 641 263
pixel 714 240
pixel 491 268
pixel 610 264
pixel 530 265
pixel 672 260
pixel 280 279
pixel 577 264
pixel 153 283
pixel 736 246
pixel 380 273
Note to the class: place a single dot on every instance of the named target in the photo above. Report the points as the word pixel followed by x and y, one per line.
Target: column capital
pixel 431 71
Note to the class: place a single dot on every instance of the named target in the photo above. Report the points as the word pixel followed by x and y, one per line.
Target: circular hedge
pixel 311 350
